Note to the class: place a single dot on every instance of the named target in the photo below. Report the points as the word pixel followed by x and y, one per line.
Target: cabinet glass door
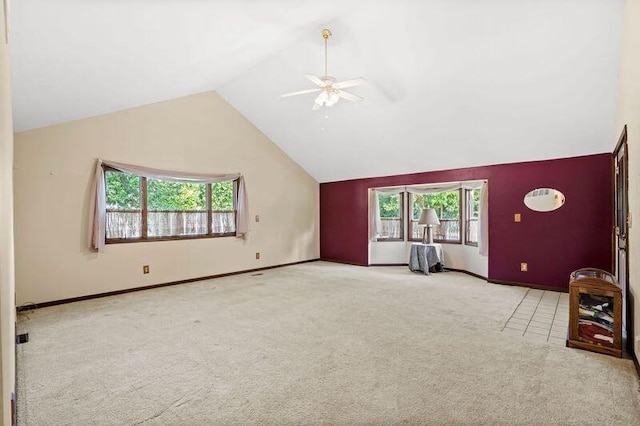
pixel 595 323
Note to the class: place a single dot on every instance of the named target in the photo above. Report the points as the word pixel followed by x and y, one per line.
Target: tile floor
pixel 541 315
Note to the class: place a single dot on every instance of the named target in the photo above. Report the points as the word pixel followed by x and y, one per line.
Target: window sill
pixel 175 238
pixel 437 241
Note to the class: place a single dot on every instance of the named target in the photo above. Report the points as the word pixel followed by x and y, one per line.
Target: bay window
pixel 140 208
pixel 134 203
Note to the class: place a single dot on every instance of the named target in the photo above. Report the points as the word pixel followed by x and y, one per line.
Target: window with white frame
pixel 472 217
pixel 144 209
pixel 447 205
pixel 391 224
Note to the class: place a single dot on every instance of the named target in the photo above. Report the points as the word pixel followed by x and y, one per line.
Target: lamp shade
pixel 429 217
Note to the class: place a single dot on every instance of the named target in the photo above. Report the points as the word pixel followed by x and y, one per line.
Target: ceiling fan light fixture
pixel 322 98
pixel 333 99
pixel 330 89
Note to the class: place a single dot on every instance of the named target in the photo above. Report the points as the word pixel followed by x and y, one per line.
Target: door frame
pixel 622 146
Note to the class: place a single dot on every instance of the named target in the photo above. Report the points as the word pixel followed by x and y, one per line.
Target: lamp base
pixel 427 235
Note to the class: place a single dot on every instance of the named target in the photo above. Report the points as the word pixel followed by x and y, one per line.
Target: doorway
pixel 621 228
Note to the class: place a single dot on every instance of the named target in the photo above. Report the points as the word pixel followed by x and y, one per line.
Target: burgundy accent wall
pixel 553 244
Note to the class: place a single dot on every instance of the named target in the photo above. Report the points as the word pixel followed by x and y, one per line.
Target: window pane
pixel 176 208
pixel 390 216
pixel 164 195
pixel 124 215
pixel 447 206
pixel 223 216
pixel 222 196
pixel 123 191
pixel 473 214
pixel 417 202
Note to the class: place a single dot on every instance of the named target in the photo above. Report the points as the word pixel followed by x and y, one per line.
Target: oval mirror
pixel 544 199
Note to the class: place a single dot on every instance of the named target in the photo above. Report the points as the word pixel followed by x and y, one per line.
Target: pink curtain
pixel 98 211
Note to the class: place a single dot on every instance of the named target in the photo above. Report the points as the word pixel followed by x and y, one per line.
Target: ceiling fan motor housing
pixel 328 80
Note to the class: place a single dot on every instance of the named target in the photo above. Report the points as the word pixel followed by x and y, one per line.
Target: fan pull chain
pixel 326 118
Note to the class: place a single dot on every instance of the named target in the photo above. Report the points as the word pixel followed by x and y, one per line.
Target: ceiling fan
pixel 330 89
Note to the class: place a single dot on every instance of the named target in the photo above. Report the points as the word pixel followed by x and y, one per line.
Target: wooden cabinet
pixel 595 312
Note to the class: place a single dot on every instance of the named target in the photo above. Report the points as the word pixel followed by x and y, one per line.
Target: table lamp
pixel 428 218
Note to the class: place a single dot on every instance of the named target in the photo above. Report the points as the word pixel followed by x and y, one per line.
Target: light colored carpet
pixel 309 344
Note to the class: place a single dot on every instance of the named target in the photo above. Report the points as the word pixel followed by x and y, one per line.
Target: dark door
pixel 621 244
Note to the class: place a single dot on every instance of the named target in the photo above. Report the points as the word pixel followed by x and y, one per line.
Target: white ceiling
pixel 452 83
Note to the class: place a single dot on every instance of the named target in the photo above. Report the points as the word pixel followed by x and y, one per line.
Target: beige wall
pixel 199 133
pixel 7 306
pixel 629 113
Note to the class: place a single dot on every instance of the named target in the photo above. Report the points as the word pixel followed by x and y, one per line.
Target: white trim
pixel 444 186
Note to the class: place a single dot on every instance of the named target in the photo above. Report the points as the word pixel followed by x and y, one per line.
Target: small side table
pixel 424 257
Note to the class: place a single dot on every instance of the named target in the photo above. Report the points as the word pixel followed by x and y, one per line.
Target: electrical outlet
pixel 257 255
pixel 517 217
pixel 145 269
pixel 524 267
pixel 257 218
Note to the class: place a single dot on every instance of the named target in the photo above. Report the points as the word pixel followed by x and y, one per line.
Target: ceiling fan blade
pixel 349 96
pixel 349 83
pixel 301 92
pixel 315 80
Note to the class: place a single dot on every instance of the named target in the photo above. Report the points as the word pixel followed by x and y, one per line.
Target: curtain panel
pixel 374 216
pixel 433 190
pixel 98 209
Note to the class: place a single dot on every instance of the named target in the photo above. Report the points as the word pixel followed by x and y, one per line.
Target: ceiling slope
pixel 451 83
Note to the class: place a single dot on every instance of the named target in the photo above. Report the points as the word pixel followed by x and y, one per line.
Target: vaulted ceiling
pixel 451 83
